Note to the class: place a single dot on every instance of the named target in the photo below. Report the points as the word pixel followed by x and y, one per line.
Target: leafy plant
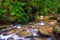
pixel 25 10
pixel 3 14
pixel 15 11
pixel 44 7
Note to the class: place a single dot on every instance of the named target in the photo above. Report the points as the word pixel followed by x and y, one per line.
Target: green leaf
pixel 13 13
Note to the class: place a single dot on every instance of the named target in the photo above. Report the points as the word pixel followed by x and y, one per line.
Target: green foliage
pixel 3 14
pixel 15 10
pixel 43 7
pixel 24 10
